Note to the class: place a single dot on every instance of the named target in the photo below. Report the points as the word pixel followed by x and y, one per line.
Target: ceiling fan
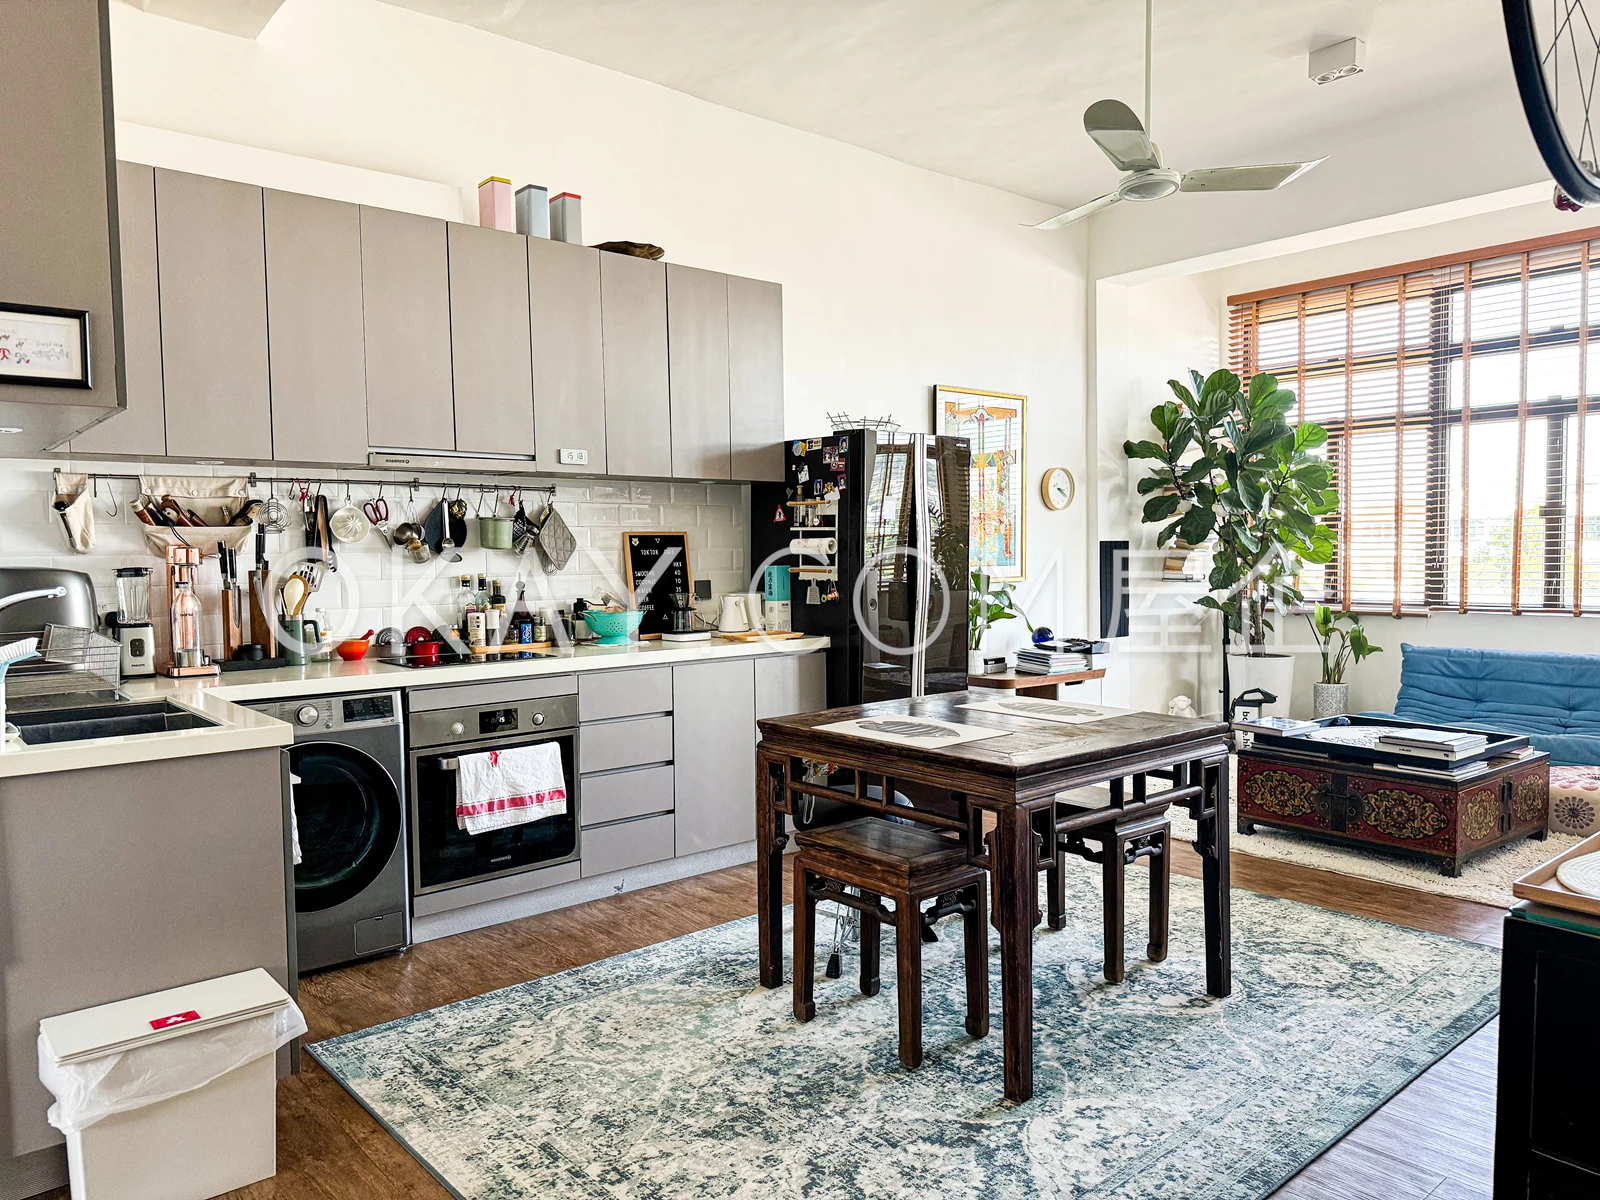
pixel 1126 142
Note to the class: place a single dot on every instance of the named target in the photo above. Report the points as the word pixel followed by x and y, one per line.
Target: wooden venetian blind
pixel 1460 397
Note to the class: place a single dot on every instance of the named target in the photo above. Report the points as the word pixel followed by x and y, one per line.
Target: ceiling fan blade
pixel 1116 130
pixel 1079 213
pixel 1245 179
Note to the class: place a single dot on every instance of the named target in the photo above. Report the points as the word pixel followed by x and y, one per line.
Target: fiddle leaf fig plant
pixel 1228 463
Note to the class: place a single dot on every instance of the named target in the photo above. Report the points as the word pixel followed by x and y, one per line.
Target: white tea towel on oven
pixel 509 787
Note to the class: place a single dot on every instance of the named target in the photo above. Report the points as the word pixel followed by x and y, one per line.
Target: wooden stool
pixel 1121 842
pixel 907 865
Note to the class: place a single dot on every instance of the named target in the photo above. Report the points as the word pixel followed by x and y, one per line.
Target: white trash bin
pixel 170 1096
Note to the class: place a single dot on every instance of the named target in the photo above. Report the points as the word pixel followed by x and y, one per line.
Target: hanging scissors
pixel 377 510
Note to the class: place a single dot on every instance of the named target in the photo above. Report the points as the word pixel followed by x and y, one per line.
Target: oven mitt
pixel 76 517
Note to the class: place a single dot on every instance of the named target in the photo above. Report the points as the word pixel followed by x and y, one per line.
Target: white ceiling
pixel 993 91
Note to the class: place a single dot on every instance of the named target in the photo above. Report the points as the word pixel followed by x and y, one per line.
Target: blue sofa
pixel 1554 698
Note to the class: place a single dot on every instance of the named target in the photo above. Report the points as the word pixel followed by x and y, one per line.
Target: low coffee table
pixel 1347 793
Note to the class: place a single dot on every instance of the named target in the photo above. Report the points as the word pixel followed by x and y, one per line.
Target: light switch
pixel 573 458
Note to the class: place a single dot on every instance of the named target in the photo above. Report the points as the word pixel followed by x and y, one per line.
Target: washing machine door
pixel 347 808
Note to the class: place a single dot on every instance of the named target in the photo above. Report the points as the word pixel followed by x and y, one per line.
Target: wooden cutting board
pixel 755 635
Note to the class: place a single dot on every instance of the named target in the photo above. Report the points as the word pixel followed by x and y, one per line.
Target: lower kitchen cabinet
pixel 791 683
pixel 627 844
pixel 612 745
pixel 714 753
pixel 624 795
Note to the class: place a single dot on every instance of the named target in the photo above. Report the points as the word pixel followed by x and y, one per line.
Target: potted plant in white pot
pixel 1230 467
pixel 1341 649
pixel 988 601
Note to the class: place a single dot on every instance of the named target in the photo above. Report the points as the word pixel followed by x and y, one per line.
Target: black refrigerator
pixel 893 593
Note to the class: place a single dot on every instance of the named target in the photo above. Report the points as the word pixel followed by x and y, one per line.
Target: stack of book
pixel 1437 745
pixel 1046 660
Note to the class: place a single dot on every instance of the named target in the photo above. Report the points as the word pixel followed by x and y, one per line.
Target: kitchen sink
pixel 105 720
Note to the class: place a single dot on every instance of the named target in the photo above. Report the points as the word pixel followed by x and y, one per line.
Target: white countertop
pixel 240 728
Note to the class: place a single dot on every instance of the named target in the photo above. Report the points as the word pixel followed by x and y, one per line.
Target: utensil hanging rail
pixel 480 486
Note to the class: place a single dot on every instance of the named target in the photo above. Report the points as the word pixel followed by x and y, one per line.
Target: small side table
pixel 1041 686
pixel 1544 1142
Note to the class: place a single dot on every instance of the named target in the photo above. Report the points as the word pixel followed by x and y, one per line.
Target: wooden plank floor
pixel 1432 1140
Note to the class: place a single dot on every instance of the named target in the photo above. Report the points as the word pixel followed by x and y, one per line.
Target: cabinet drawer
pixel 606 694
pixel 625 794
pixel 613 744
pixel 630 844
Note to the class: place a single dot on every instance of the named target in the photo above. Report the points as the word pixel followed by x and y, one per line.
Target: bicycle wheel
pixel 1555 52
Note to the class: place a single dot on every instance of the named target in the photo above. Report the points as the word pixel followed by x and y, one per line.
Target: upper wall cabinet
pixel 213 283
pixel 755 378
pixel 569 401
pixel 633 312
pixel 405 298
pixel 697 348
pixel 489 341
pixel 319 410
pixel 142 428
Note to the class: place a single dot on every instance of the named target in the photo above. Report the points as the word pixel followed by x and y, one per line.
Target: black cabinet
pixel 1547 1130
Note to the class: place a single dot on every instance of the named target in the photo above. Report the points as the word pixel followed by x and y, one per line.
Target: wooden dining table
pixel 999 795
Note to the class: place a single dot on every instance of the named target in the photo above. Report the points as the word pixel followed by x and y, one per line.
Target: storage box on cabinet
pixel 636 742
pixel 603 695
pixel 627 844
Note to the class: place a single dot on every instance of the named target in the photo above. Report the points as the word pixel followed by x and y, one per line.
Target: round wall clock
pixel 1058 488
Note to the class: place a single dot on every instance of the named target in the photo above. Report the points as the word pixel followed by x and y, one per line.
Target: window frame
pixel 1563 540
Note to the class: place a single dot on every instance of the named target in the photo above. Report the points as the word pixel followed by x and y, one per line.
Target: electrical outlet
pixel 573 458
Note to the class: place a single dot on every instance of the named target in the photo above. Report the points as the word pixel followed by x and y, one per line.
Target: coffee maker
pixel 130 624
pixel 683 629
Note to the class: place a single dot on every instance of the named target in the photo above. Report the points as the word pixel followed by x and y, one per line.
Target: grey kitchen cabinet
pixel 633 318
pixel 603 695
pixel 755 378
pixel 697 352
pixel 714 753
pixel 213 284
pixel 569 402
pixel 791 683
pixel 314 329
pixel 628 844
pixel 142 427
pixel 490 349
pixel 405 304
pixel 624 795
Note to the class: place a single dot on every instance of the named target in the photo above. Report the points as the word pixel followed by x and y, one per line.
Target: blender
pixel 131 622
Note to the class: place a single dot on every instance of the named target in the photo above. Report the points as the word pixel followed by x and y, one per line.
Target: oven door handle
pixel 448 764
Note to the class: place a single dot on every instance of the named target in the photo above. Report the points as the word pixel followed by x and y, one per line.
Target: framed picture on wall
pixel 44 347
pixel 996 425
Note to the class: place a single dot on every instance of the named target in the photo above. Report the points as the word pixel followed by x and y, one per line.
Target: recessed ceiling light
pixel 10 429
pixel 1338 61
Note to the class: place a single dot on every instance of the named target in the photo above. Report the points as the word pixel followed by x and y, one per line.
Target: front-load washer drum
pixel 349 815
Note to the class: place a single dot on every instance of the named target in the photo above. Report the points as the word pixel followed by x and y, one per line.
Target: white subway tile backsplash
pixel 688 493
pixel 377 585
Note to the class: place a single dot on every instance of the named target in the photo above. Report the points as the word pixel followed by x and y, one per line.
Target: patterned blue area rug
pixel 665 1073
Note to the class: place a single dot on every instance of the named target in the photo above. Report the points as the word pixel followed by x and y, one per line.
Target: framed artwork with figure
pixel 995 423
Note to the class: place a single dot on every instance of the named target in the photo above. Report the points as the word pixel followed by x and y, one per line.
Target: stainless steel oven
pixel 444 723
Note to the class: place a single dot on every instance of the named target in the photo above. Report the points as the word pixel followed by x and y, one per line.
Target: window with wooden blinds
pixel 1461 398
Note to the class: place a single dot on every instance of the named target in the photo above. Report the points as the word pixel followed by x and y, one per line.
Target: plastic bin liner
pixel 91 1091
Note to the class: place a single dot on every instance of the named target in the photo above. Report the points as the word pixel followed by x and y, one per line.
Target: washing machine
pixel 348 770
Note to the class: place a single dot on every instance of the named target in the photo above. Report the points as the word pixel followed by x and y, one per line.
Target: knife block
pixel 231 640
pixel 263 626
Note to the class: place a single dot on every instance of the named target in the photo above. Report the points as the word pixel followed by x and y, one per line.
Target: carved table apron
pixel 1009 783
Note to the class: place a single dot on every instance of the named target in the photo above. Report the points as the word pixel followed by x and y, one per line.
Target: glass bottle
pixel 185 624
